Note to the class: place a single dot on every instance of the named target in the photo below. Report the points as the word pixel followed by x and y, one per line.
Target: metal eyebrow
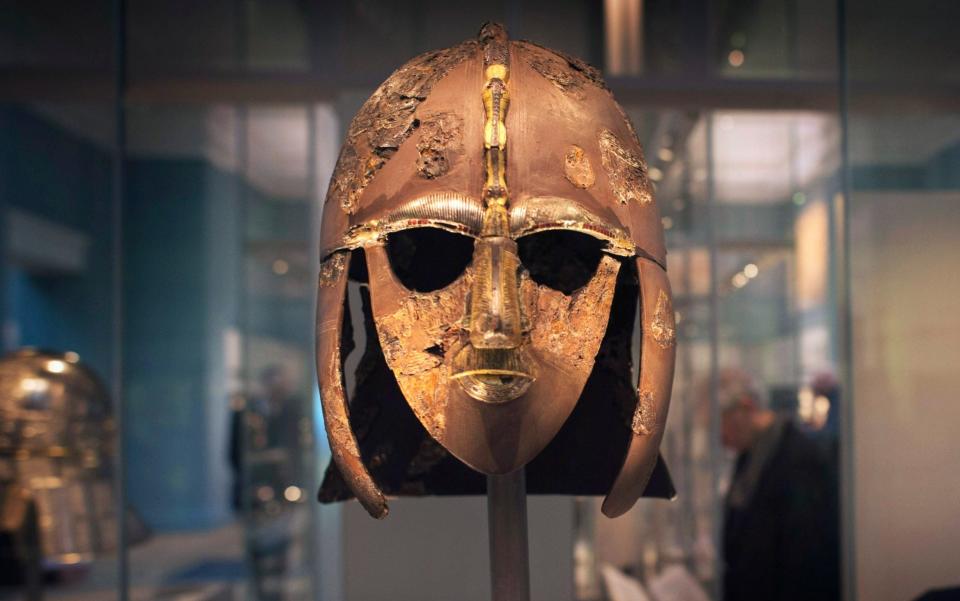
pixel 556 213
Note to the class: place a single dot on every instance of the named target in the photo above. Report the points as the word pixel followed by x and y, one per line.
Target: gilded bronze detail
pixel 577 168
pixel 553 213
pixel 492 367
pixel 331 269
pixel 566 327
pixel 440 139
pixel 416 338
pixel 645 416
pixel 662 327
pixel 626 171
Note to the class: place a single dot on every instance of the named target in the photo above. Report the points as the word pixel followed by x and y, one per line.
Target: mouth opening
pixel 492 375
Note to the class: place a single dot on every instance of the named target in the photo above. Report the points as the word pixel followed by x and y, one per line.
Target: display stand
pixel 507 524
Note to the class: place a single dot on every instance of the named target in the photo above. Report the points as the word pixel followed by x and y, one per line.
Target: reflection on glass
pixel 750 268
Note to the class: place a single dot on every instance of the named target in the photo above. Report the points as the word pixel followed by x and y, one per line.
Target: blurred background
pixel 162 169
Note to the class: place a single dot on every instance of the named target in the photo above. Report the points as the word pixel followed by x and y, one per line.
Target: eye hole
pixel 560 259
pixel 426 259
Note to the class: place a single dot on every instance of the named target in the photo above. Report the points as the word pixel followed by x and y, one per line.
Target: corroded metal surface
pixel 577 168
pixel 440 141
pixel 331 269
pixel 386 120
pixel 417 337
pixel 626 170
pixel 570 75
pixel 538 154
pixel 568 328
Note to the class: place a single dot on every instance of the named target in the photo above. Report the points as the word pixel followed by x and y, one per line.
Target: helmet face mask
pixel 501 202
pixel 459 388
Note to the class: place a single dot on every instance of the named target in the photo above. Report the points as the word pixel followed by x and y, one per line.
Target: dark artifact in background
pixel 492 201
pixel 56 444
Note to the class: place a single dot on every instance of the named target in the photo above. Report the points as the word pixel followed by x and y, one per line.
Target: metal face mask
pixel 500 198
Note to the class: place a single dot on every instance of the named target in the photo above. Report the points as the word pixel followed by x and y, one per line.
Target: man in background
pixel 780 534
pixel 269 435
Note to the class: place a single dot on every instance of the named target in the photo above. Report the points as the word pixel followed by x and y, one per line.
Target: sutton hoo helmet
pixel 493 202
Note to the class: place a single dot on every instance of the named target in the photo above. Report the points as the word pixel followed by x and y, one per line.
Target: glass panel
pixel 279 473
pixel 747 200
pixel 220 210
pixel 223 444
pixel 776 39
pixel 182 271
pixel 59 514
pixel 697 41
pixel 904 215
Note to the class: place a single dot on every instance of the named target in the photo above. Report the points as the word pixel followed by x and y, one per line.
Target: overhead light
pixel 665 155
pixel 751 270
pixel 280 267
pixel 667 223
pixel 739 280
pixel 736 58
pixel 655 174
pixel 56 366
pixel 292 493
pixel 265 493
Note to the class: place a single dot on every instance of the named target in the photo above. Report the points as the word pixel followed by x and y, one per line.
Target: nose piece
pixel 492 375
pixel 492 365
pixel 494 299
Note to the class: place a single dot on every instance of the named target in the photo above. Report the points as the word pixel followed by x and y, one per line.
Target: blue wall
pixel 181 260
pixel 58 176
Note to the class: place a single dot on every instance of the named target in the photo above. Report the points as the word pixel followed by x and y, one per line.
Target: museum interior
pixel 163 170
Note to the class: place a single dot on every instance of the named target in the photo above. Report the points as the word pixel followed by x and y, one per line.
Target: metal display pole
pixel 507 524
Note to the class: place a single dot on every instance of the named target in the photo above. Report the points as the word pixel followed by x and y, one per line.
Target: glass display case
pixel 162 172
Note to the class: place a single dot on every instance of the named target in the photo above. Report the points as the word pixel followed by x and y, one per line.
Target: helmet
pixel 493 202
pixel 56 444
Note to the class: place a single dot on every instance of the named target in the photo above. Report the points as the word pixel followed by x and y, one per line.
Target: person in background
pixel 266 452
pixel 780 535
